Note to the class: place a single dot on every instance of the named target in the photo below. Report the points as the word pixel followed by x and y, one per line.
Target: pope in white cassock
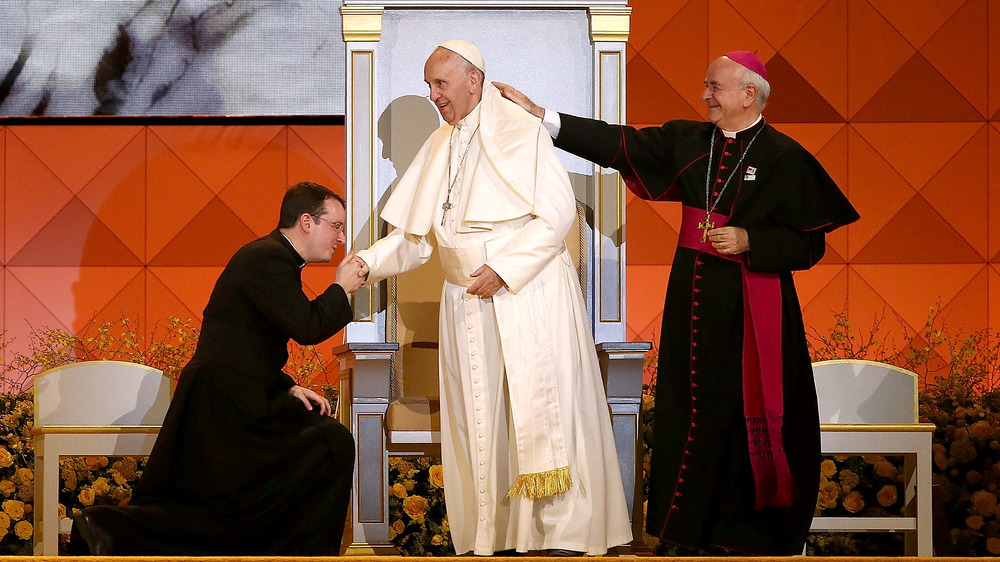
pixel 527 448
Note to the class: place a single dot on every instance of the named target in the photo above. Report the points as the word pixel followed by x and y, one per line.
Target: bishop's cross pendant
pixel 705 226
pixel 446 206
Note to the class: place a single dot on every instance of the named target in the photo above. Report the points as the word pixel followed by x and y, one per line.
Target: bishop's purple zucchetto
pixel 749 60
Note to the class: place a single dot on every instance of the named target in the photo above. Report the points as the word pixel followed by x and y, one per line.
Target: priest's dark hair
pixel 305 197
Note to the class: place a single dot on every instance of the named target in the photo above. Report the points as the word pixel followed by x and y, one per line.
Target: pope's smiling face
pixel 455 86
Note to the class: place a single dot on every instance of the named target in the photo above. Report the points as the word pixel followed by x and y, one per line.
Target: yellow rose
pixel 962 451
pixel 409 485
pixel 974 522
pixel 828 494
pixel 62 511
pixel 436 473
pixel 24 476
pixel 848 478
pixel 86 496
pixel 887 495
pixel 3 533
pixel 445 527
pixel 841 458
pixel 7 488
pixel 980 430
pixel 985 502
pixel 4 521
pixel 993 545
pixel 415 507
pixel 119 477
pixel 399 490
pixel 872 458
pixel 6 459
pixel 392 533
pixel 885 469
pixel 95 463
pixel 828 468
pixel 26 494
pixel 854 503
pixel 398 525
pixel 100 486
pixel 23 530
pixel 14 508
pixel 436 540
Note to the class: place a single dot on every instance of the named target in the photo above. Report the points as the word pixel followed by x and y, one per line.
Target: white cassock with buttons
pixel 527 447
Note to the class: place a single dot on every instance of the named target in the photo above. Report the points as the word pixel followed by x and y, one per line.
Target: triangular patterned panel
pixel 911 289
pixel 958 50
pixel 993 284
pixel 812 136
pixel 729 31
pixel 317 277
pixel 818 52
pixel 993 228
pixel 669 211
pixel 965 311
pixel 191 286
pixel 917 150
pixel 3 194
pixel 834 158
pixel 75 237
pixel 917 21
pixel 24 312
pixel 129 303
pixel 867 307
pixel 217 153
pixel 794 100
pixel 831 256
pixel 960 192
pixel 895 102
pixel 777 21
pixel 75 153
pixel 656 101
pixel 821 297
pixel 255 193
pixel 875 51
pixel 877 191
pixel 649 17
pixel 118 192
pixel 679 54
pixel 918 234
pixel 305 164
pixel 32 195
pixel 3 315
pixel 74 294
pixel 658 243
pixel 813 281
pixel 327 142
pixel 162 303
pixel 216 223
pixel 174 195
pixel 993 61
pixel 644 299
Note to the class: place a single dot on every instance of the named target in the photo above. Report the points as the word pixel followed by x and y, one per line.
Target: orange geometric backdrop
pixel 139 221
pixel 898 100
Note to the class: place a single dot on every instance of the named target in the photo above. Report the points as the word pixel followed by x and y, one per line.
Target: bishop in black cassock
pixel 736 450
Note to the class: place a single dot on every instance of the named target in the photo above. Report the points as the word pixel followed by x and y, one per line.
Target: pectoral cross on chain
pixel 706 226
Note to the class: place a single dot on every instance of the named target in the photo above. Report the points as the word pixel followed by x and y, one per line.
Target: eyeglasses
pixel 338 226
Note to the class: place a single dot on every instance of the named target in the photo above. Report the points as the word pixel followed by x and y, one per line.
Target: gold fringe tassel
pixel 541 484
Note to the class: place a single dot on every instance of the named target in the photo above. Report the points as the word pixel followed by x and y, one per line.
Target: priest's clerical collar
pixel 472 119
pixel 732 135
pixel 297 253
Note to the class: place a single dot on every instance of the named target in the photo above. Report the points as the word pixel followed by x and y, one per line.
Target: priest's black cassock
pixel 732 350
pixel 241 467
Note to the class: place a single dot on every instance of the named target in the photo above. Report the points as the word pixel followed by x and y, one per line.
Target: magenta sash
pixel 763 404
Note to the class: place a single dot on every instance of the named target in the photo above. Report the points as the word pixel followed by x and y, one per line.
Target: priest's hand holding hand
pixel 729 240
pixel 520 99
pixel 351 273
pixel 310 397
pixel 487 282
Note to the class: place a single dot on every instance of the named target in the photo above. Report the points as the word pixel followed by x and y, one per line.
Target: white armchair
pixel 90 408
pixel 869 407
